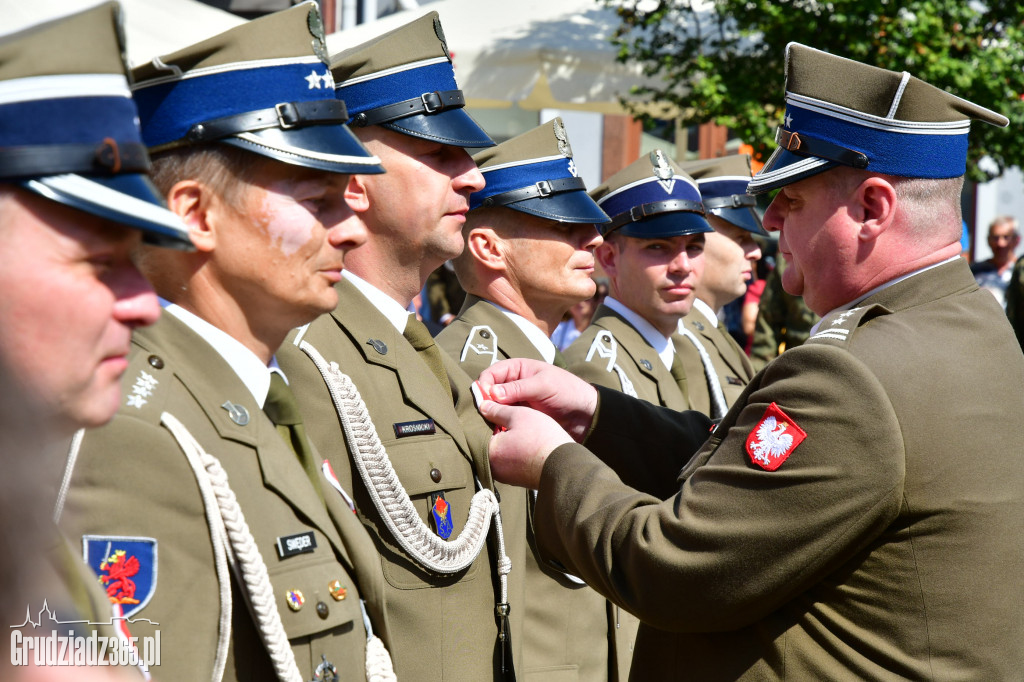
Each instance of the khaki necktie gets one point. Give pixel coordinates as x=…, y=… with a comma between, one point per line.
x=679, y=375
x=284, y=412
x=559, y=360
x=419, y=336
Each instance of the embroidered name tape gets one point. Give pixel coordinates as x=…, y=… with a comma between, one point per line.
x=300, y=543
x=417, y=428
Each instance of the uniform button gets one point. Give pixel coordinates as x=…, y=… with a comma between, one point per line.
x=156, y=362
x=435, y=475
x=321, y=609
x=484, y=334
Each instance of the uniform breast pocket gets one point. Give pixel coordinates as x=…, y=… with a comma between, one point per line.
x=439, y=481
x=314, y=595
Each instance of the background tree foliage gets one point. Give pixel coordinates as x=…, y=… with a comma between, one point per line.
x=723, y=60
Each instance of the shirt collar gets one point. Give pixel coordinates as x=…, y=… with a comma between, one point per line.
x=388, y=307
x=533, y=333
x=882, y=287
x=249, y=368
x=706, y=310
x=660, y=343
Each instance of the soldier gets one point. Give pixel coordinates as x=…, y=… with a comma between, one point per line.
x=846, y=519
x=412, y=481
x=729, y=254
x=529, y=257
x=653, y=256
x=204, y=490
x=75, y=203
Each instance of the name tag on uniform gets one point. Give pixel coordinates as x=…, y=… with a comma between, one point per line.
x=423, y=427
x=290, y=545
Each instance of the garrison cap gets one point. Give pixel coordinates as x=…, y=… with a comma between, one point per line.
x=723, y=190
x=69, y=130
x=404, y=81
x=534, y=173
x=652, y=198
x=263, y=86
x=842, y=112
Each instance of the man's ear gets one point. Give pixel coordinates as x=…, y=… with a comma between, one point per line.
x=195, y=204
x=607, y=255
x=486, y=248
x=356, y=195
x=876, y=202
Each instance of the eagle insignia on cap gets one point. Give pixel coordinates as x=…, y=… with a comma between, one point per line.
x=662, y=170
x=439, y=32
x=563, y=139
x=316, y=28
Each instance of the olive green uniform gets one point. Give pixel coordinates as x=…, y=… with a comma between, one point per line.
x=886, y=545
x=131, y=478
x=443, y=627
x=730, y=362
x=627, y=363
x=565, y=625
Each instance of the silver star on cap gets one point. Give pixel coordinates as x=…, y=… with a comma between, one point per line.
x=789, y=120
x=314, y=79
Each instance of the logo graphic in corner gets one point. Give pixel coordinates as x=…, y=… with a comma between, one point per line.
x=774, y=438
x=126, y=568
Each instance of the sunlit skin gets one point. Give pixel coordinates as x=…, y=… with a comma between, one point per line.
x=270, y=263
x=72, y=296
x=535, y=267
x=729, y=256
x=654, y=278
x=414, y=213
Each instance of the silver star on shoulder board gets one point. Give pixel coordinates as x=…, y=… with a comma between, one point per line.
x=314, y=79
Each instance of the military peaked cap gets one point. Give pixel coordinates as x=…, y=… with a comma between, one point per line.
x=403, y=80
x=263, y=86
x=842, y=112
x=723, y=190
x=652, y=198
x=68, y=126
x=534, y=173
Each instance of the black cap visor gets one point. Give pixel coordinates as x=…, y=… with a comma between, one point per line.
x=329, y=147
x=663, y=225
x=128, y=199
x=565, y=207
x=451, y=126
x=743, y=217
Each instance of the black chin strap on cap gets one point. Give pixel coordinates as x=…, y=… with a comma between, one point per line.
x=642, y=211
x=731, y=201
x=805, y=145
x=543, y=188
x=427, y=103
x=284, y=115
x=108, y=157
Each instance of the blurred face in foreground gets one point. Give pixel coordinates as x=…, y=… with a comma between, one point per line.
x=71, y=297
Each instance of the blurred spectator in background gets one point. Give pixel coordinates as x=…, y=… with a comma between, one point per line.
x=994, y=274
x=578, y=318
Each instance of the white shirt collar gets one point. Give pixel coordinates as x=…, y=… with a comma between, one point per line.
x=533, y=333
x=249, y=368
x=388, y=307
x=662, y=344
x=705, y=310
x=882, y=287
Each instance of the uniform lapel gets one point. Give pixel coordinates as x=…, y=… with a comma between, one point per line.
x=365, y=325
x=233, y=411
x=643, y=356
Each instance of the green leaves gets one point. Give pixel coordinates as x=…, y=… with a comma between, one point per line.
x=722, y=60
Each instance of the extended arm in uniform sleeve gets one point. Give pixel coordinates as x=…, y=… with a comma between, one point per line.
x=737, y=542
x=626, y=428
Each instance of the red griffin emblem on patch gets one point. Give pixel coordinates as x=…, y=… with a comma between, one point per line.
x=773, y=439
x=119, y=568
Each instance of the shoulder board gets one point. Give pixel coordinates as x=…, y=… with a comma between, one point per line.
x=836, y=328
x=145, y=386
x=605, y=347
x=482, y=341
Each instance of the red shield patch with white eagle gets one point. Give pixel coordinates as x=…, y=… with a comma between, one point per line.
x=773, y=439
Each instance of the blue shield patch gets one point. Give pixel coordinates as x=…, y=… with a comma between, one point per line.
x=125, y=566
